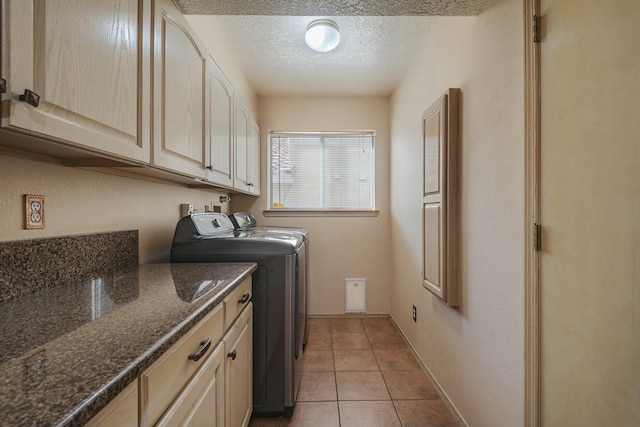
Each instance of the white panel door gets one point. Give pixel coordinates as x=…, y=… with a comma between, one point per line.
x=590, y=213
x=440, y=198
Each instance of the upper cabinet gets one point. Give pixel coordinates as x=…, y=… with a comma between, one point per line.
x=220, y=162
x=241, y=134
x=113, y=83
x=254, y=158
x=180, y=95
x=247, y=151
x=73, y=73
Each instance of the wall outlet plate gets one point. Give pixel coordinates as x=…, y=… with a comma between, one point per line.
x=34, y=212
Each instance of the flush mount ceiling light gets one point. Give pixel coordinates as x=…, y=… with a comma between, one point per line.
x=322, y=35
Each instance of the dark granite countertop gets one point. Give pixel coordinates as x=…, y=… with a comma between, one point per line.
x=66, y=352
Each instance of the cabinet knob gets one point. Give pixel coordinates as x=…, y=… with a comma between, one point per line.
x=250, y=184
x=3, y=85
x=245, y=298
x=209, y=168
x=232, y=355
x=204, y=346
x=30, y=97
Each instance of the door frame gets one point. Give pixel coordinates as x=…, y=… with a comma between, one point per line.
x=532, y=128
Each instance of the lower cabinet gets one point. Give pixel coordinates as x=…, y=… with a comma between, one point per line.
x=204, y=379
x=238, y=343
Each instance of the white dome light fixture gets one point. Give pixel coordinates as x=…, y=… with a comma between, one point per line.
x=322, y=35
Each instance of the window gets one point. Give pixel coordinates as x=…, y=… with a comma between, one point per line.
x=322, y=171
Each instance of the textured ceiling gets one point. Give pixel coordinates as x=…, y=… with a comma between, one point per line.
x=378, y=41
x=332, y=7
x=371, y=58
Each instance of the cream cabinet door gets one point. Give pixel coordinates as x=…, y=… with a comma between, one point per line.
x=220, y=162
x=239, y=370
x=440, y=198
x=180, y=94
x=254, y=158
x=85, y=63
x=241, y=140
x=247, y=150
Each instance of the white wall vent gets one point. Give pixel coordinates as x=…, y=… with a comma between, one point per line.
x=355, y=295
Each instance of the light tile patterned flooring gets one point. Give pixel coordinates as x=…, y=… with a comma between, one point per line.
x=359, y=372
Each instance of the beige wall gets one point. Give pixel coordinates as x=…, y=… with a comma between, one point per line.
x=590, y=275
x=475, y=352
x=83, y=202
x=341, y=247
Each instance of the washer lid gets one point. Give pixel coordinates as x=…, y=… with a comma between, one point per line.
x=211, y=223
x=243, y=220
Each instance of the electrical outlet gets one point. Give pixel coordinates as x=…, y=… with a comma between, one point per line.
x=34, y=211
x=414, y=314
x=186, y=209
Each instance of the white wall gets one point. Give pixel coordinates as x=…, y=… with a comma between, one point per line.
x=475, y=352
x=341, y=247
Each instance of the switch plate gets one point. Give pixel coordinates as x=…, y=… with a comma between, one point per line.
x=34, y=212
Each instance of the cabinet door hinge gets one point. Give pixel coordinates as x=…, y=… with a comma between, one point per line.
x=537, y=237
x=536, y=28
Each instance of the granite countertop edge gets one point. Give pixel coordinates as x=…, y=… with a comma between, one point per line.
x=91, y=406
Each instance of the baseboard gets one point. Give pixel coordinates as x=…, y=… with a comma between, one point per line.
x=345, y=315
x=443, y=395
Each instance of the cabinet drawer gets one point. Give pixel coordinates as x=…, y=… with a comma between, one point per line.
x=162, y=381
x=201, y=403
x=236, y=301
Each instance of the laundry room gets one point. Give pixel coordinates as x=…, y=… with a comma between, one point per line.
x=209, y=218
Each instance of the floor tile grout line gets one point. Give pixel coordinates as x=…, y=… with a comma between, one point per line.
x=378, y=370
x=383, y=379
x=335, y=375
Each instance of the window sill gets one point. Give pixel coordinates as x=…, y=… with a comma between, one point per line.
x=320, y=212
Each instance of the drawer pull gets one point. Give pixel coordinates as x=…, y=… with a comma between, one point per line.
x=3, y=85
x=30, y=98
x=204, y=346
x=232, y=355
x=245, y=298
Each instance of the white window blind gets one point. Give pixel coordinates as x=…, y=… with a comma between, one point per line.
x=322, y=171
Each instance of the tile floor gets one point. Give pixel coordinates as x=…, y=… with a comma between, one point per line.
x=359, y=372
